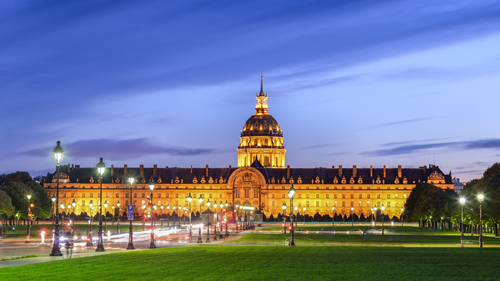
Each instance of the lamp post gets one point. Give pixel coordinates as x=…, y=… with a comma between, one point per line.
x=402, y=217
x=105, y=216
x=89, y=242
x=304, y=214
x=226, y=204
x=190, y=232
x=28, y=235
x=383, y=217
x=118, y=217
x=130, y=231
x=375, y=209
x=372, y=215
x=220, y=220
x=236, y=215
x=284, y=218
x=74, y=215
x=152, y=230
x=168, y=215
x=161, y=216
x=200, y=200
x=480, y=197
x=333, y=216
x=69, y=216
x=216, y=221
x=208, y=223
x=291, y=194
x=462, y=202
x=100, y=243
x=58, y=153
x=352, y=216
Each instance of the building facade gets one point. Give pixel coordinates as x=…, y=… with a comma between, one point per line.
x=261, y=180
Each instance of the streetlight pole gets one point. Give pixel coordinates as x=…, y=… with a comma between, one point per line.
x=284, y=217
x=152, y=242
x=53, y=214
x=118, y=217
x=161, y=216
x=291, y=194
x=402, y=217
x=375, y=209
x=105, y=216
x=89, y=242
x=352, y=216
x=304, y=214
x=216, y=221
x=190, y=231
x=220, y=221
x=58, y=153
x=208, y=223
x=333, y=216
x=74, y=205
x=130, y=231
x=200, y=200
x=372, y=215
x=462, y=202
x=100, y=243
x=480, y=197
x=226, y=204
x=383, y=218
x=236, y=216
x=28, y=235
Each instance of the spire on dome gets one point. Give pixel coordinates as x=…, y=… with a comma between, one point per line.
x=261, y=107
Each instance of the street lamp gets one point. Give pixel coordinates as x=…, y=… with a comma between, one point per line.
x=352, y=216
x=208, y=223
x=100, y=243
x=28, y=235
x=190, y=232
x=216, y=221
x=304, y=214
x=383, y=217
x=118, y=217
x=152, y=242
x=105, y=216
x=480, y=197
x=291, y=194
x=220, y=220
x=58, y=153
x=462, y=202
x=74, y=205
x=200, y=200
x=333, y=216
x=226, y=204
x=284, y=218
x=131, y=218
x=236, y=216
x=161, y=216
x=375, y=209
x=402, y=217
x=89, y=242
x=53, y=213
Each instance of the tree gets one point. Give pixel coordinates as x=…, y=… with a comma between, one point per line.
x=6, y=208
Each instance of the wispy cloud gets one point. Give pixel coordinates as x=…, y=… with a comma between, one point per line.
x=120, y=149
x=419, y=148
x=402, y=122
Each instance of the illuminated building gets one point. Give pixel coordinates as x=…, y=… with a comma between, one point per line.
x=261, y=180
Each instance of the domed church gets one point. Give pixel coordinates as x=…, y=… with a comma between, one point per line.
x=261, y=180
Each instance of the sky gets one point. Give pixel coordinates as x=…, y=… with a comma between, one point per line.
x=172, y=83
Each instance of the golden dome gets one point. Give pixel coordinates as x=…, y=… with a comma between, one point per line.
x=261, y=125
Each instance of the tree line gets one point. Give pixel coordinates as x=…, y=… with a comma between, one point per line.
x=434, y=207
x=14, y=191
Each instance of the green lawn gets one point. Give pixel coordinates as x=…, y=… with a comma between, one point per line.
x=403, y=230
x=272, y=263
x=336, y=239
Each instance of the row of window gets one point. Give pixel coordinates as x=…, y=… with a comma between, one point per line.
x=343, y=204
x=360, y=196
x=143, y=195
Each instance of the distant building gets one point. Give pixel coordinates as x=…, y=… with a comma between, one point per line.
x=458, y=185
x=261, y=180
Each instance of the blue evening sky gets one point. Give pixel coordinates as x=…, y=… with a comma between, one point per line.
x=172, y=83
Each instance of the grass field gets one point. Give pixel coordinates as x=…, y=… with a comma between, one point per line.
x=395, y=230
x=272, y=263
x=336, y=239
